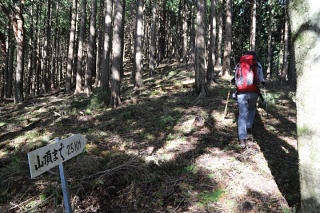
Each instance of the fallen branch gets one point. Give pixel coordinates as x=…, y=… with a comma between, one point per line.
x=129, y=164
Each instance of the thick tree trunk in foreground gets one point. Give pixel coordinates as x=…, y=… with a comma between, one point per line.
x=138, y=46
x=200, y=63
x=227, y=40
x=117, y=58
x=305, y=24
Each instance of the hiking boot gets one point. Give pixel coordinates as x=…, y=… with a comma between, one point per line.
x=243, y=143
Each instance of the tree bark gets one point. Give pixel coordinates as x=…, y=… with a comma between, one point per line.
x=105, y=75
x=212, y=47
x=152, y=63
x=79, y=76
x=71, y=46
x=138, y=46
x=219, y=44
x=18, y=29
x=227, y=40
x=192, y=35
x=100, y=45
x=116, y=53
x=11, y=50
x=162, y=31
x=285, y=65
x=253, y=26
x=184, y=32
x=39, y=60
x=32, y=41
x=92, y=48
x=200, y=52
x=3, y=54
x=304, y=19
x=123, y=37
x=269, y=59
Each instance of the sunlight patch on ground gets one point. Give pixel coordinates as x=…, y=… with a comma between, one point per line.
x=241, y=178
x=172, y=149
x=289, y=140
x=3, y=153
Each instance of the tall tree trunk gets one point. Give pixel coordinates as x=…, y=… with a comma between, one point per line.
x=91, y=65
x=3, y=54
x=100, y=45
x=253, y=25
x=219, y=44
x=81, y=47
x=18, y=29
x=105, y=75
x=212, y=47
x=76, y=47
x=138, y=46
x=285, y=65
x=71, y=46
x=227, y=40
x=178, y=33
x=116, y=53
x=55, y=54
x=152, y=63
x=280, y=54
x=39, y=60
x=192, y=35
x=162, y=31
x=200, y=63
x=32, y=41
x=122, y=36
x=292, y=74
x=304, y=19
x=47, y=51
x=269, y=60
x=184, y=32
x=11, y=50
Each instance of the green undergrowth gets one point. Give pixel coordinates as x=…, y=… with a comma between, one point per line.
x=140, y=157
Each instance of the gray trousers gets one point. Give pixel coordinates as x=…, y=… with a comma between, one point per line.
x=247, y=110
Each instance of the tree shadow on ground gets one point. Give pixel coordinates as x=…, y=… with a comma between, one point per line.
x=170, y=185
x=282, y=159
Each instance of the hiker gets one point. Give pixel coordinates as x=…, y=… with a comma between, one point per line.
x=248, y=76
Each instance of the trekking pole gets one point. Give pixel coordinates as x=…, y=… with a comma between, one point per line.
x=226, y=107
x=265, y=102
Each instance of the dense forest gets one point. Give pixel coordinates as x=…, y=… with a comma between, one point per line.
x=128, y=74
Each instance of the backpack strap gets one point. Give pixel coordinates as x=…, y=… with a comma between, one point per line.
x=238, y=75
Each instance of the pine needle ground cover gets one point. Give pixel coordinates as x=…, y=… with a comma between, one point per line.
x=158, y=152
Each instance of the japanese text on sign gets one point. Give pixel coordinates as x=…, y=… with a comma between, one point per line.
x=45, y=158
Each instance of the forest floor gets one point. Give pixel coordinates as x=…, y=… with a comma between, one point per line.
x=160, y=151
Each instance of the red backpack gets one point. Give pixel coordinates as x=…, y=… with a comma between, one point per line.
x=246, y=74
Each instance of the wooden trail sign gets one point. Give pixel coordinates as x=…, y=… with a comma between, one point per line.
x=47, y=157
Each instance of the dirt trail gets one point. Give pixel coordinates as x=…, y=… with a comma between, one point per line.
x=158, y=152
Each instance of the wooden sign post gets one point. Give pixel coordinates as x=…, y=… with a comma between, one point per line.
x=47, y=157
